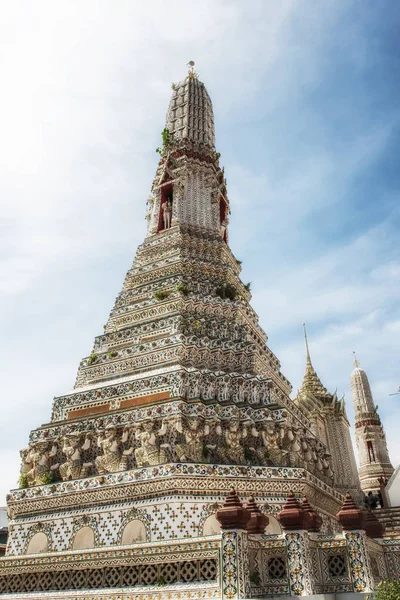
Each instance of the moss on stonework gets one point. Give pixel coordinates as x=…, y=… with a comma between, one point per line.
x=183, y=289
x=23, y=481
x=161, y=294
x=92, y=359
x=46, y=478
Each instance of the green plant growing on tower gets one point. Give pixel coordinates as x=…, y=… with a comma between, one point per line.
x=248, y=286
x=112, y=354
x=174, y=86
x=387, y=590
x=218, y=155
x=183, y=289
x=46, y=478
x=166, y=140
x=239, y=262
x=23, y=481
x=161, y=294
x=92, y=359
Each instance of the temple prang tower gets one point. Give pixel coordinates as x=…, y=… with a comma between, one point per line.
x=329, y=422
x=180, y=414
x=375, y=467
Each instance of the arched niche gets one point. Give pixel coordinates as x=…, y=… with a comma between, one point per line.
x=273, y=526
x=134, y=532
x=84, y=538
x=38, y=543
x=211, y=526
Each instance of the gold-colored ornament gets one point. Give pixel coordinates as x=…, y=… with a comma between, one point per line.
x=192, y=73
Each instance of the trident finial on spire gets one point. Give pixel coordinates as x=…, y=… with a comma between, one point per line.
x=307, y=350
x=192, y=72
x=355, y=361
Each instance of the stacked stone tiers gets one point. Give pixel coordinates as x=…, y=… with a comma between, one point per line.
x=169, y=312
x=171, y=501
x=179, y=360
x=189, y=369
x=174, y=382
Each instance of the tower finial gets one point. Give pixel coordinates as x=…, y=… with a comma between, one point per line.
x=192, y=72
x=355, y=361
x=307, y=350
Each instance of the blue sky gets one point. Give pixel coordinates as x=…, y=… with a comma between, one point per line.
x=305, y=96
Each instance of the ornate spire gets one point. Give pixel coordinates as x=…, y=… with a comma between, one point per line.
x=311, y=382
x=369, y=433
x=308, y=358
x=190, y=115
x=189, y=189
x=360, y=389
x=192, y=73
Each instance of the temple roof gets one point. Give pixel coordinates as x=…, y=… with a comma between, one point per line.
x=312, y=385
x=190, y=113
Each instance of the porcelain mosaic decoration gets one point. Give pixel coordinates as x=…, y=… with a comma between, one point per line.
x=179, y=400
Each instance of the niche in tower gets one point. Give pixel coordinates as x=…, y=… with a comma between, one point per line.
x=166, y=196
x=371, y=452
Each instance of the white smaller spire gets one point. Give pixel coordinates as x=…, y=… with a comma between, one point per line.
x=360, y=389
x=369, y=434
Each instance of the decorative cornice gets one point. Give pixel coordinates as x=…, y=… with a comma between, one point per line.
x=156, y=482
